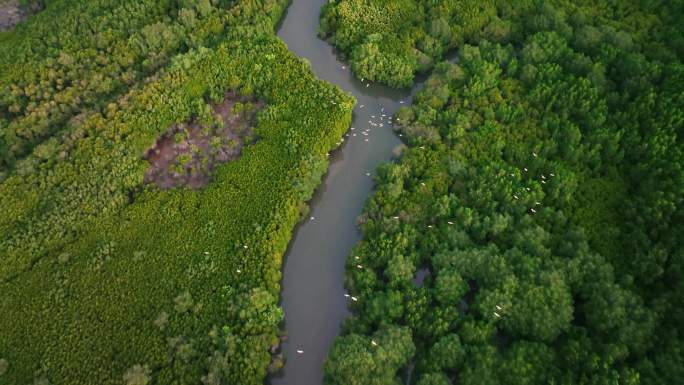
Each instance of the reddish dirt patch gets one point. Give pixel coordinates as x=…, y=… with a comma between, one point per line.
x=11, y=13
x=187, y=154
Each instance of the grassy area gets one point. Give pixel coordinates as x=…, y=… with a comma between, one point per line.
x=113, y=281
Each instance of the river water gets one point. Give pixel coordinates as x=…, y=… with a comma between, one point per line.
x=313, y=277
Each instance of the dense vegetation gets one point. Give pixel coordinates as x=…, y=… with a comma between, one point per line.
x=389, y=41
x=50, y=81
x=107, y=280
x=543, y=191
x=13, y=12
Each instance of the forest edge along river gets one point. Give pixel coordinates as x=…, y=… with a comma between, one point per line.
x=313, y=293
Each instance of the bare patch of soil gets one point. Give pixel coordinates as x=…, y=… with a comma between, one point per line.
x=12, y=13
x=188, y=153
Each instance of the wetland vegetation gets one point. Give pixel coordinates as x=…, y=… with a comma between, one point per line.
x=543, y=189
x=156, y=155
x=108, y=279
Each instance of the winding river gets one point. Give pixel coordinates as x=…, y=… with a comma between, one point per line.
x=313, y=277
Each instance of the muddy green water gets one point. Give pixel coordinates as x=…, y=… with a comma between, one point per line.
x=313, y=275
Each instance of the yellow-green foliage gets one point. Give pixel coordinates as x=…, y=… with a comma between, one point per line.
x=76, y=57
x=179, y=286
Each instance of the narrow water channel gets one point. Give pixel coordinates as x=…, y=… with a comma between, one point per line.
x=313, y=277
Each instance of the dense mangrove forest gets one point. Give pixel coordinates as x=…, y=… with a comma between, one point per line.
x=541, y=195
x=108, y=277
x=501, y=193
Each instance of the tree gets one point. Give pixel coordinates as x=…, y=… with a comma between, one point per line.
x=399, y=271
x=446, y=354
x=540, y=311
x=373, y=360
x=449, y=287
x=137, y=375
x=434, y=379
x=528, y=363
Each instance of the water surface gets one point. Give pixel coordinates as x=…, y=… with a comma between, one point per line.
x=313, y=275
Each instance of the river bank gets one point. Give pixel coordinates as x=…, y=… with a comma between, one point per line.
x=313, y=293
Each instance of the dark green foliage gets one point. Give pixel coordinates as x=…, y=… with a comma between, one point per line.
x=434, y=379
x=374, y=360
x=544, y=191
x=389, y=41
